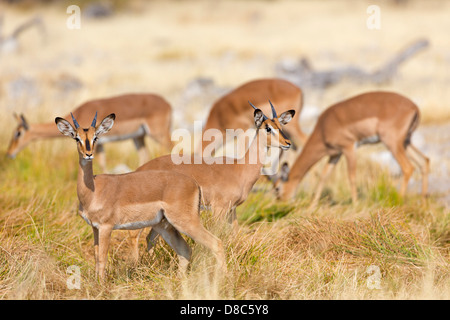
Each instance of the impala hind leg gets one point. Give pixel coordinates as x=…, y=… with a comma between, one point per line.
x=195, y=230
x=399, y=153
x=176, y=241
x=423, y=163
x=151, y=239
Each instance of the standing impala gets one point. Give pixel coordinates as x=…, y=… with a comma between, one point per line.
x=167, y=201
x=138, y=115
x=230, y=111
x=364, y=119
x=227, y=182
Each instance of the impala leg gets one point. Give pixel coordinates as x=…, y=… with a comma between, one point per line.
x=399, y=154
x=423, y=163
x=232, y=219
x=104, y=238
x=95, y=230
x=198, y=233
x=143, y=153
x=331, y=164
x=176, y=241
x=350, y=156
x=151, y=239
x=134, y=236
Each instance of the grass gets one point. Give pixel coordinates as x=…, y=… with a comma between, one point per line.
x=281, y=250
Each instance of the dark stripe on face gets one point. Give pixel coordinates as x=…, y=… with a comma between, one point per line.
x=283, y=135
x=88, y=146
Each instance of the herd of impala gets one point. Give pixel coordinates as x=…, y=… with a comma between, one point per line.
x=168, y=197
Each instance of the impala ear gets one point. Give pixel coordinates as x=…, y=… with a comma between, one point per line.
x=286, y=116
x=65, y=127
x=24, y=122
x=259, y=118
x=21, y=120
x=106, y=125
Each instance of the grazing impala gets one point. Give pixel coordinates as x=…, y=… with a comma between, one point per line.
x=227, y=182
x=230, y=111
x=364, y=119
x=167, y=201
x=138, y=115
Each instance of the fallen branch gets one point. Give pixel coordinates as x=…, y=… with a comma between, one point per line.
x=303, y=74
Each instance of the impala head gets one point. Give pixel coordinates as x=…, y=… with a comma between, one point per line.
x=85, y=138
x=20, y=137
x=272, y=127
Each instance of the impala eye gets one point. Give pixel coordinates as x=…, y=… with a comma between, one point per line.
x=268, y=129
x=18, y=133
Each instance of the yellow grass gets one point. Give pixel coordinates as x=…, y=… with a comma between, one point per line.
x=282, y=251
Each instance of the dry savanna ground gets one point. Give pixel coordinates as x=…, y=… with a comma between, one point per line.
x=383, y=247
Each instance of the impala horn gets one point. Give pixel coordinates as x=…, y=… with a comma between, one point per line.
x=94, y=122
x=75, y=121
x=274, y=113
x=257, y=109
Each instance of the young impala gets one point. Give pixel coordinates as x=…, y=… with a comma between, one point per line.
x=138, y=115
x=167, y=201
x=226, y=182
x=364, y=119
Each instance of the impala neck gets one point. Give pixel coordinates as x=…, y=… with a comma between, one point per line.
x=313, y=151
x=85, y=183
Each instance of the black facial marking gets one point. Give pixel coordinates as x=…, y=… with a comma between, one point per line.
x=283, y=135
x=88, y=146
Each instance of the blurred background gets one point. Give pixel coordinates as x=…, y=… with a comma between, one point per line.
x=192, y=52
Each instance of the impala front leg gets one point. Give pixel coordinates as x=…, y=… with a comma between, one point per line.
x=95, y=230
x=104, y=238
x=331, y=164
x=349, y=154
x=143, y=153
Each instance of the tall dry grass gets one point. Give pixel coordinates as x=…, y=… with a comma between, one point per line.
x=282, y=250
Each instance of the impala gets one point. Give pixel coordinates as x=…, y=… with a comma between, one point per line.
x=138, y=115
x=230, y=111
x=226, y=183
x=167, y=201
x=368, y=118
